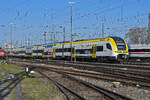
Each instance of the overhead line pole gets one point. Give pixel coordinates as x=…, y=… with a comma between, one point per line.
x=64, y=39
x=45, y=37
x=64, y=33
x=53, y=37
x=102, y=29
x=71, y=29
x=11, y=41
x=71, y=3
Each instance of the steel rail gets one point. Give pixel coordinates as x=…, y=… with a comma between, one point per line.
x=107, y=79
x=97, y=88
x=6, y=80
x=13, y=81
x=10, y=89
x=61, y=88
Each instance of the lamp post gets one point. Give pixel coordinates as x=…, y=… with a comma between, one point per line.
x=11, y=39
x=71, y=3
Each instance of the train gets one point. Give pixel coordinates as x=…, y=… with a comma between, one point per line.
x=2, y=53
x=139, y=51
x=109, y=48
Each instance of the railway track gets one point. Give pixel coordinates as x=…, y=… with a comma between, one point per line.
x=123, y=66
x=105, y=93
x=132, y=77
x=107, y=77
x=62, y=88
x=8, y=85
x=126, y=64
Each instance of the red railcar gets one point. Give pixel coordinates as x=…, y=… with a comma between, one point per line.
x=2, y=53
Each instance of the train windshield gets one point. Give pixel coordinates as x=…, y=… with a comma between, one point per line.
x=120, y=43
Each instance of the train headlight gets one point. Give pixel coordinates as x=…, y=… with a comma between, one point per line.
x=121, y=52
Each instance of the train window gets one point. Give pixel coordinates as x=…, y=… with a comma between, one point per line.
x=84, y=51
x=139, y=50
x=68, y=49
x=35, y=51
x=88, y=51
x=58, y=50
x=80, y=51
x=39, y=51
x=108, y=46
x=99, y=48
x=121, y=47
x=28, y=53
x=65, y=50
x=21, y=51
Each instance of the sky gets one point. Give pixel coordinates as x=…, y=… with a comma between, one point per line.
x=29, y=19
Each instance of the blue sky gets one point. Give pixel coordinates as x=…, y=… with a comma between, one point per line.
x=31, y=18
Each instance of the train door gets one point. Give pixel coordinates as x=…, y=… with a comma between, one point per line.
x=43, y=53
x=32, y=53
x=73, y=52
x=50, y=52
x=25, y=53
x=54, y=52
x=93, y=51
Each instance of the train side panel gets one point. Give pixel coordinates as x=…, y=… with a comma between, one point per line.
x=139, y=51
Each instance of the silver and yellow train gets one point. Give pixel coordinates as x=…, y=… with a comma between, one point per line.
x=111, y=48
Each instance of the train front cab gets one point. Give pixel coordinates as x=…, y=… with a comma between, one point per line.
x=120, y=48
x=2, y=54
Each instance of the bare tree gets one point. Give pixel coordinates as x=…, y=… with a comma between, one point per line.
x=138, y=35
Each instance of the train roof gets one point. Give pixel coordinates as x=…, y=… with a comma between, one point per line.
x=116, y=38
x=97, y=38
x=51, y=44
